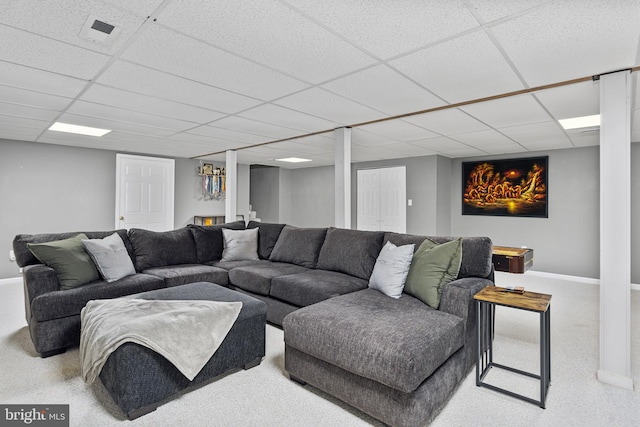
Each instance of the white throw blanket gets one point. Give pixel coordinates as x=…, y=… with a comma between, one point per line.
x=185, y=332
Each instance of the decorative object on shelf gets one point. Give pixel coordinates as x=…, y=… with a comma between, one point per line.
x=511, y=187
x=208, y=219
x=213, y=181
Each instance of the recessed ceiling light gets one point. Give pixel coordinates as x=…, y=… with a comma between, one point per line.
x=580, y=122
x=82, y=130
x=293, y=160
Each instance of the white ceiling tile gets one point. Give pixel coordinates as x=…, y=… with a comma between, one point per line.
x=385, y=90
x=265, y=130
x=362, y=137
x=121, y=115
x=40, y=52
x=463, y=152
x=24, y=122
x=398, y=130
x=447, y=122
x=268, y=32
x=178, y=54
x=462, y=69
x=479, y=139
x=39, y=81
x=567, y=39
x=226, y=134
x=286, y=117
x=305, y=148
x=74, y=14
x=405, y=149
x=503, y=148
x=20, y=133
x=393, y=27
x=76, y=119
x=492, y=10
x=440, y=144
x=321, y=103
x=511, y=111
x=141, y=7
x=585, y=139
x=576, y=100
x=135, y=78
x=538, y=136
x=32, y=99
x=148, y=104
x=27, y=112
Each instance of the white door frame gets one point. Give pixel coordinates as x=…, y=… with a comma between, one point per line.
x=169, y=193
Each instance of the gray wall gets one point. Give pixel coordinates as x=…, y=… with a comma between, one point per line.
x=567, y=242
x=53, y=188
x=312, y=197
x=264, y=192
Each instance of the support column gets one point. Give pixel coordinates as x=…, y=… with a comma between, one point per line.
x=231, y=195
x=342, y=177
x=615, y=229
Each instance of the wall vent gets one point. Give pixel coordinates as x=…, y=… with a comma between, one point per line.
x=98, y=30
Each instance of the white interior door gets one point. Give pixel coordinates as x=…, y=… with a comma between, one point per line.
x=381, y=203
x=368, y=203
x=144, y=192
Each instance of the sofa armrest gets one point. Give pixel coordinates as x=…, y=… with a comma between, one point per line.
x=457, y=296
x=37, y=279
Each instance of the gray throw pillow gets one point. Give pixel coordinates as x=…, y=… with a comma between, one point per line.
x=391, y=269
x=240, y=244
x=110, y=256
x=69, y=259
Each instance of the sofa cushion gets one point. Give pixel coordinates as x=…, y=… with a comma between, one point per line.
x=157, y=249
x=229, y=265
x=59, y=304
x=397, y=342
x=240, y=245
x=299, y=246
x=257, y=278
x=313, y=286
x=176, y=275
x=391, y=269
x=433, y=266
x=476, y=251
x=25, y=257
x=352, y=252
x=68, y=258
x=209, y=241
x=267, y=237
x=110, y=257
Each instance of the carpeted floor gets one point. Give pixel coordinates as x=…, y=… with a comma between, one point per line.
x=264, y=396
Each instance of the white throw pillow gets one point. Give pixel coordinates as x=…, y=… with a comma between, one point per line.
x=240, y=244
x=391, y=269
x=110, y=257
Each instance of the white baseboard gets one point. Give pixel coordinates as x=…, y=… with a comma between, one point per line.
x=588, y=280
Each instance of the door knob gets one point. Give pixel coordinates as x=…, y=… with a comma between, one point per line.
x=121, y=218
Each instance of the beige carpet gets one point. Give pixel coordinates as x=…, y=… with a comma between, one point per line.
x=264, y=396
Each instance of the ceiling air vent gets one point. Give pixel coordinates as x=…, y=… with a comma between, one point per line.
x=97, y=30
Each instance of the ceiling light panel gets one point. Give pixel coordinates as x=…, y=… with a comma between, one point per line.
x=142, y=80
x=81, y=130
x=293, y=160
x=588, y=41
x=395, y=96
x=580, y=122
x=320, y=55
x=203, y=63
x=392, y=27
x=475, y=68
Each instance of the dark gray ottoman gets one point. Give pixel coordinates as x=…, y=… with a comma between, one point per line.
x=139, y=379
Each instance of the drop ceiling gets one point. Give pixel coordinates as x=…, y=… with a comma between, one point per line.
x=191, y=79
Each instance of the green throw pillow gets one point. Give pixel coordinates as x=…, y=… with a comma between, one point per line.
x=69, y=259
x=432, y=267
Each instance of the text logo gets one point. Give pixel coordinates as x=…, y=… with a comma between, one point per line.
x=34, y=415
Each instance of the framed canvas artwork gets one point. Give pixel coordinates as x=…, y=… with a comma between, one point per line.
x=509, y=187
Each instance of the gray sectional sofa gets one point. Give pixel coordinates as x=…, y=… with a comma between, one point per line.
x=399, y=359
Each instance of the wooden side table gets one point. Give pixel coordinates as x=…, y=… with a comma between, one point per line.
x=486, y=301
